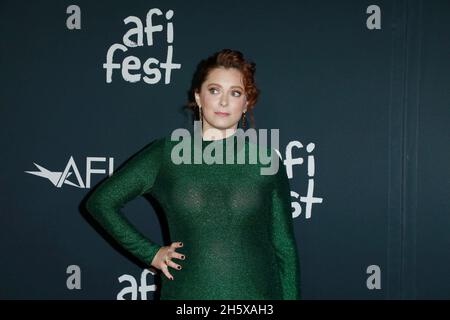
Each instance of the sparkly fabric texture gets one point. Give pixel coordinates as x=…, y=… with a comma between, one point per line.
x=236, y=224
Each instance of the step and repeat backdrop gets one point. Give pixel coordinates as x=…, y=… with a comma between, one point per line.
x=360, y=91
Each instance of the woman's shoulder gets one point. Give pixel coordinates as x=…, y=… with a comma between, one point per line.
x=268, y=158
x=263, y=148
x=154, y=148
x=157, y=142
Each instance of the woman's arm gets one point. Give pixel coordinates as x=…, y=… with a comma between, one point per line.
x=135, y=178
x=283, y=236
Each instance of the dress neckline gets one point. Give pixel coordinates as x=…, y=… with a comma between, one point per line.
x=223, y=143
x=230, y=137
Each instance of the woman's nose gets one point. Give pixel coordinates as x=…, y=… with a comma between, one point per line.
x=223, y=101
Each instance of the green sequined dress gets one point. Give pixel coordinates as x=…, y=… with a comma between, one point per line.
x=236, y=224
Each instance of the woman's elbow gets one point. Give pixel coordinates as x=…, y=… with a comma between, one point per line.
x=94, y=205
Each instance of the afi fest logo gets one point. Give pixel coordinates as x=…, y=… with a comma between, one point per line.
x=134, y=289
x=58, y=178
x=131, y=65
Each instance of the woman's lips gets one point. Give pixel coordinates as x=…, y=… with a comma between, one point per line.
x=222, y=114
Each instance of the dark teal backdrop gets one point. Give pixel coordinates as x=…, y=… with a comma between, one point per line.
x=375, y=103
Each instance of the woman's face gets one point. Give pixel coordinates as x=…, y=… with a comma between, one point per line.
x=222, y=99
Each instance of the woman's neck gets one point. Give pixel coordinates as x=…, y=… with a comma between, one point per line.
x=210, y=134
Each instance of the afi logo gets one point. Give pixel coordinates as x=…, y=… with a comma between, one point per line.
x=59, y=178
x=134, y=289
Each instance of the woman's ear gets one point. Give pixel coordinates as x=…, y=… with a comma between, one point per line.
x=197, y=98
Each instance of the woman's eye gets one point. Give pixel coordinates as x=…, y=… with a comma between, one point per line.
x=237, y=93
x=213, y=90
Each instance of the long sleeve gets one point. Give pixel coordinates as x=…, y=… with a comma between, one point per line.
x=132, y=180
x=283, y=236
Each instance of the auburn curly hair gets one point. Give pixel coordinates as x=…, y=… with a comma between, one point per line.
x=226, y=58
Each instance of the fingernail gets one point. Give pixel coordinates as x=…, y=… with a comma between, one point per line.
x=183, y=257
x=171, y=278
x=179, y=268
x=181, y=243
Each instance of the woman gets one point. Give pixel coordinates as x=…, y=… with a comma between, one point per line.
x=232, y=225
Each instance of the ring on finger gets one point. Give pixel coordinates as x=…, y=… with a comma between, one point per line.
x=166, y=259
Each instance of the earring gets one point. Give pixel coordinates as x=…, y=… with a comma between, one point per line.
x=243, y=121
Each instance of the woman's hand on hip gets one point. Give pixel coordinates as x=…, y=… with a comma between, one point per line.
x=163, y=258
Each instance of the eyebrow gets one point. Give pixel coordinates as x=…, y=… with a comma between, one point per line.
x=216, y=84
